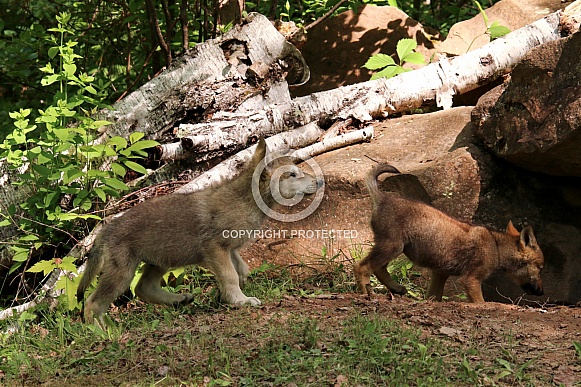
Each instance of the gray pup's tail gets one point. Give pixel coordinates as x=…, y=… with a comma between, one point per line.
x=93, y=267
x=371, y=180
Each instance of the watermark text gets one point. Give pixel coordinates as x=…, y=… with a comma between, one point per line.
x=286, y=234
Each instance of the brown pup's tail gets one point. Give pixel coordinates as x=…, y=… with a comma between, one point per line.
x=371, y=180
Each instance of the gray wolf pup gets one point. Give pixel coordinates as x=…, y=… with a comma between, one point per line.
x=448, y=247
x=183, y=229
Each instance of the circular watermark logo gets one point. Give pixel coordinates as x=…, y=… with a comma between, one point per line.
x=288, y=185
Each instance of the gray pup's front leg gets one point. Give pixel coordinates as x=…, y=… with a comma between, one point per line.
x=240, y=266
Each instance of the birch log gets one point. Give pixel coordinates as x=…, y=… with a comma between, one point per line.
x=296, y=138
x=375, y=99
x=212, y=77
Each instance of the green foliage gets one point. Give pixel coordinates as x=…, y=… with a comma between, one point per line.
x=577, y=350
x=493, y=30
x=406, y=53
x=58, y=163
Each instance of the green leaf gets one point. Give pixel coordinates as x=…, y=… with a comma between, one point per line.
x=62, y=134
x=392, y=3
x=70, y=69
x=405, y=47
x=71, y=175
x=41, y=170
x=415, y=57
x=496, y=30
x=504, y=363
x=136, y=167
x=379, y=61
x=49, y=80
x=136, y=136
x=100, y=194
x=119, y=142
x=52, y=52
x=28, y=238
x=67, y=216
x=388, y=72
x=118, y=169
x=116, y=184
x=90, y=89
x=68, y=263
x=143, y=144
x=42, y=266
x=44, y=157
x=20, y=256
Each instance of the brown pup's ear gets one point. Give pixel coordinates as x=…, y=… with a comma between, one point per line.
x=527, y=237
x=511, y=230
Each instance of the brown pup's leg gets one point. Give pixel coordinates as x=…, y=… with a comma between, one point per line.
x=473, y=288
x=385, y=278
x=376, y=262
x=436, y=288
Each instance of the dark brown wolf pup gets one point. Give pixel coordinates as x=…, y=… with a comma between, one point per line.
x=446, y=246
x=183, y=229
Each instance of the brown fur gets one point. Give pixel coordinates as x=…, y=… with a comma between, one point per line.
x=446, y=246
x=183, y=229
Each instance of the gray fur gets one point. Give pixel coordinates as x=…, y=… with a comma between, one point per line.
x=183, y=229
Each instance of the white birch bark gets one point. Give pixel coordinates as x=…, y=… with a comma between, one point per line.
x=296, y=138
x=375, y=99
x=171, y=96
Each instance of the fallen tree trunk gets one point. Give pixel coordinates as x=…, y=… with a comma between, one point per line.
x=365, y=101
x=217, y=75
x=300, y=137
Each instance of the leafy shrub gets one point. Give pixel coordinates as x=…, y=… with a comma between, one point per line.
x=58, y=162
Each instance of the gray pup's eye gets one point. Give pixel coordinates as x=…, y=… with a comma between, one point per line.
x=293, y=174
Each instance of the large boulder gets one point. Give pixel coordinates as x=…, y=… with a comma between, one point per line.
x=338, y=47
x=514, y=14
x=534, y=121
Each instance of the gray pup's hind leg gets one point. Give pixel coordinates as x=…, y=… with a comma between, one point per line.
x=149, y=287
x=112, y=283
x=240, y=266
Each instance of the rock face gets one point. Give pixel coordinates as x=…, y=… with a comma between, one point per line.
x=535, y=123
x=514, y=14
x=338, y=47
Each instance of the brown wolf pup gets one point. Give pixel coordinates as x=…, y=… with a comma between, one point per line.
x=182, y=229
x=434, y=240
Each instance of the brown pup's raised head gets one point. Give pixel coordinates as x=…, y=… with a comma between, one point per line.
x=530, y=260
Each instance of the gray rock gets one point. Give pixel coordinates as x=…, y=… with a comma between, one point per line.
x=536, y=122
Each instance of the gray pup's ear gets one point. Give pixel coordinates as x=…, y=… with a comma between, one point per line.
x=260, y=152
